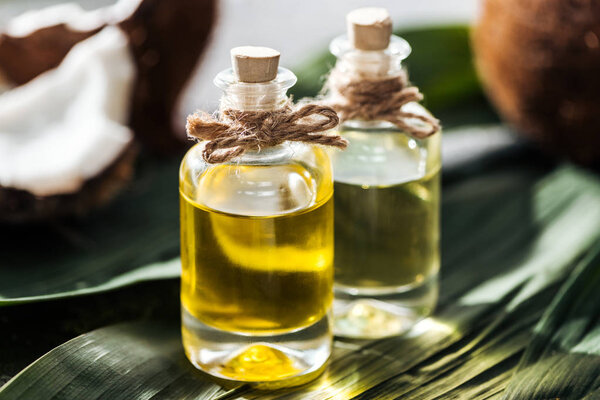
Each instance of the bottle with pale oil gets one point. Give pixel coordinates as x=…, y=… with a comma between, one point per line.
x=257, y=245
x=387, y=199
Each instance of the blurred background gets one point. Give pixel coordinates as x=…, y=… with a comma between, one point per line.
x=296, y=29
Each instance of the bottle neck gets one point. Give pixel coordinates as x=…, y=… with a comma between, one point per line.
x=254, y=97
x=257, y=97
x=358, y=65
x=355, y=65
x=265, y=96
x=369, y=64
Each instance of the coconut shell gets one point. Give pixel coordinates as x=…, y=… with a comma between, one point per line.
x=166, y=38
x=539, y=61
x=24, y=58
x=17, y=206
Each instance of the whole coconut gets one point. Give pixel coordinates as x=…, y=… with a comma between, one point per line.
x=540, y=63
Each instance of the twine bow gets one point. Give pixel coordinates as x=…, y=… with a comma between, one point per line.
x=237, y=131
x=380, y=99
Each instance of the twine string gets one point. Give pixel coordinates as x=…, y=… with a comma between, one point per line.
x=237, y=131
x=380, y=99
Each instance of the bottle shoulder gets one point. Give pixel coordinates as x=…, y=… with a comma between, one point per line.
x=380, y=154
x=412, y=107
x=293, y=179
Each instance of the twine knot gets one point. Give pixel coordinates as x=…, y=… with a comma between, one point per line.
x=379, y=99
x=237, y=131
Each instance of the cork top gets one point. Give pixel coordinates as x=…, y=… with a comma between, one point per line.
x=254, y=64
x=369, y=28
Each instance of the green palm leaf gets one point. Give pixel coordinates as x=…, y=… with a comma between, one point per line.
x=563, y=359
x=133, y=361
x=120, y=245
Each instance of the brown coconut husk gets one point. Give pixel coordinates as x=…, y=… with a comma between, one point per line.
x=24, y=58
x=166, y=38
x=539, y=61
x=18, y=206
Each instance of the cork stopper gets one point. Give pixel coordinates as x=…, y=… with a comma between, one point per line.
x=254, y=64
x=369, y=28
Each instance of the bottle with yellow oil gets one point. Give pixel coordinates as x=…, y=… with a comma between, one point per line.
x=387, y=185
x=256, y=235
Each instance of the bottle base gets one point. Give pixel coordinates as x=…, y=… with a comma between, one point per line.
x=263, y=361
x=362, y=314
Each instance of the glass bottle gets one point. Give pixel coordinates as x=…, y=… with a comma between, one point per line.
x=387, y=201
x=257, y=252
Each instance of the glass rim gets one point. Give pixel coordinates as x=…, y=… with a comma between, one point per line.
x=285, y=79
x=398, y=47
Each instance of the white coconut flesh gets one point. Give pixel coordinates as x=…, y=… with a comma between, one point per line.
x=68, y=125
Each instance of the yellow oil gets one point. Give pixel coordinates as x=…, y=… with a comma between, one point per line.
x=266, y=273
x=260, y=363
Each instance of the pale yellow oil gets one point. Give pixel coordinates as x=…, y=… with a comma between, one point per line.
x=387, y=237
x=387, y=193
x=256, y=274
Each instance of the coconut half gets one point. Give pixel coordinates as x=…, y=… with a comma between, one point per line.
x=166, y=39
x=65, y=131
